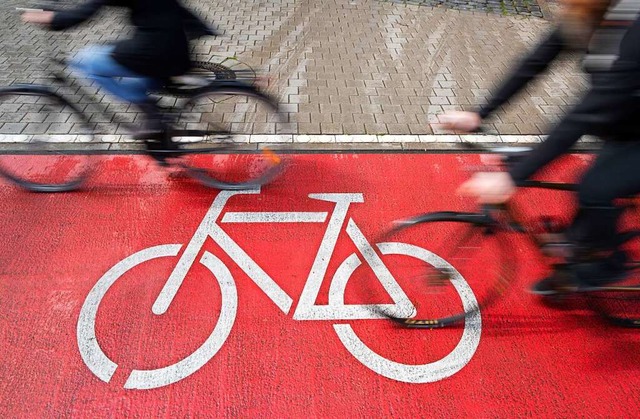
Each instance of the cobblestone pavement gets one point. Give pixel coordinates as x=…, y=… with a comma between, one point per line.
x=339, y=67
x=504, y=7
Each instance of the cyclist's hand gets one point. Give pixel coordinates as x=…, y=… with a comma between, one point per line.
x=489, y=188
x=460, y=121
x=40, y=17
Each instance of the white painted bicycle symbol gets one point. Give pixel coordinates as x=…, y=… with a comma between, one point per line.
x=307, y=309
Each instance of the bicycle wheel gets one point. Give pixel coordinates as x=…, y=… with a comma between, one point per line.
x=469, y=268
x=215, y=149
x=41, y=129
x=619, y=303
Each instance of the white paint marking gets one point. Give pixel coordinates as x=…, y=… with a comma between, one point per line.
x=274, y=217
x=391, y=286
x=147, y=379
x=187, y=259
x=434, y=371
x=252, y=269
x=306, y=305
x=92, y=355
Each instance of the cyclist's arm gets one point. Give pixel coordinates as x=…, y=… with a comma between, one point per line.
x=194, y=26
x=611, y=102
x=65, y=19
x=535, y=63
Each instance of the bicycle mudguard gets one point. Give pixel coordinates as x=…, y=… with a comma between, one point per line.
x=473, y=217
x=26, y=89
x=236, y=85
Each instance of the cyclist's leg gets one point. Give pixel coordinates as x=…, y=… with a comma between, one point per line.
x=593, y=231
x=138, y=88
x=613, y=175
x=96, y=63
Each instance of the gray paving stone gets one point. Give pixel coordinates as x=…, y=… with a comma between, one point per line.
x=63, y=128
x=38, y=128
x=11, y=117
x=12, y=128
x=322, y=54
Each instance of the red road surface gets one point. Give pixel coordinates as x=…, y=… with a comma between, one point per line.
x=65, y=322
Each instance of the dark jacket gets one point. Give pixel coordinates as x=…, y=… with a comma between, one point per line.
x=610, y=108
x=159, y=46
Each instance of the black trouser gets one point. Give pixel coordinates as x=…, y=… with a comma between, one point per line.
x=614, y=174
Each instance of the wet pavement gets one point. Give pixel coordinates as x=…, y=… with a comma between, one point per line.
x=503, y=7
x=339, y=67
x=146, y=295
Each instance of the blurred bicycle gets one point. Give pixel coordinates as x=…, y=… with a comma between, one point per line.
x=205, y=133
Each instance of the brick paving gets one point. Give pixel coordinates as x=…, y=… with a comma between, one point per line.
x=504, y=7
x=339, y=67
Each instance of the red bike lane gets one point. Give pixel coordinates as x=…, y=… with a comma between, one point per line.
x=263, y=320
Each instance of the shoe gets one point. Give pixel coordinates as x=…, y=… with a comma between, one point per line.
x=603, y=271
x=583, y=276
x=152, y=127
x=161, y=149
x=561, y=281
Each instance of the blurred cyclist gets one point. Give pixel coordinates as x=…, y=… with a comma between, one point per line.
x=610, y=109
x=158, y=49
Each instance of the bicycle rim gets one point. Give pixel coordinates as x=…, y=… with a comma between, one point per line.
x=229, y=117
x=463, y=268
x=41, y=127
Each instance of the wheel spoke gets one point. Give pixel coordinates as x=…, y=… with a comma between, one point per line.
x=231, y=116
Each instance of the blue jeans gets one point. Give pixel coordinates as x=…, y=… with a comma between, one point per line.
x=96, y=63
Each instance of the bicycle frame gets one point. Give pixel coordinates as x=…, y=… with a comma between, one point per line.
x=513, y=221
x=513, y=217
x=60, y=77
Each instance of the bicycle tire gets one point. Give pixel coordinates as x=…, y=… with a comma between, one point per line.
x=458, y=292
x=37, y=156
x=216, y=150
